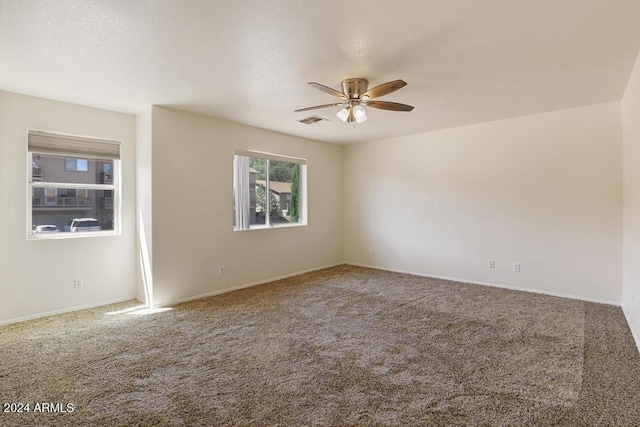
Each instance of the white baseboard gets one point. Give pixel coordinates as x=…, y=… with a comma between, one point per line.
x=494, y=285
x=246, y=285
x=634, y=332
x=66, y=310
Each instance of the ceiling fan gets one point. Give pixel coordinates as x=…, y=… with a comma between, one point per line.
x=355, y=97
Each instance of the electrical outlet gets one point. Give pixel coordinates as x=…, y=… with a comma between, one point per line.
x=373, y=251
x=221, y=270
x=516, y=267
x=492, y=264
x=77, y=282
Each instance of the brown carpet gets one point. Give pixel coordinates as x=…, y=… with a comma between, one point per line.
x=338, y=347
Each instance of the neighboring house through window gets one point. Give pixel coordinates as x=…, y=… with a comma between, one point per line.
x=73, y=184
x=269, y=190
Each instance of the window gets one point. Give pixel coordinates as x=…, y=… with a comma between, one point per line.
x=269, y=190
x=75, y=203
x=78, y=165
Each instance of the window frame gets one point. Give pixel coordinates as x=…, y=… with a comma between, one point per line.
x=115, y=187
x=303, y=217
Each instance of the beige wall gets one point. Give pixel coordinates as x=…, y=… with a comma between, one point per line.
x=36, y=276
x=631, y=173
x=542, y=190
x=192, y=207
x=144, y=214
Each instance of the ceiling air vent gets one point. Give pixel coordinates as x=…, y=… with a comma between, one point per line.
x=312, y=120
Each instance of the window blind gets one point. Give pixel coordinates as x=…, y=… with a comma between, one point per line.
x=73, y=146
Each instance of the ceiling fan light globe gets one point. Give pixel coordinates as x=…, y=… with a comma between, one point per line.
x=343, y=114
x=360, y=114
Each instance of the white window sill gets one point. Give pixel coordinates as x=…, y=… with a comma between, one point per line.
x=70, y=235
x=269, y=227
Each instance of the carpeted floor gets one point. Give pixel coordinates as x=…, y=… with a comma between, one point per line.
x=338, y=347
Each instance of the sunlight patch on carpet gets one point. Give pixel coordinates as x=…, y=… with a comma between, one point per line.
x=140, y=310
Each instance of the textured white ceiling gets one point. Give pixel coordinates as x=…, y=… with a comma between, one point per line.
x=465, y=61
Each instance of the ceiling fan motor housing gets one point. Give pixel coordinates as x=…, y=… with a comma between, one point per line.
x=354, y=88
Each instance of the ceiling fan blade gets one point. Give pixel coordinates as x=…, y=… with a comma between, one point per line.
x=327, y=89
x=386, y=105
x=318, y=107
x=384, y=88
